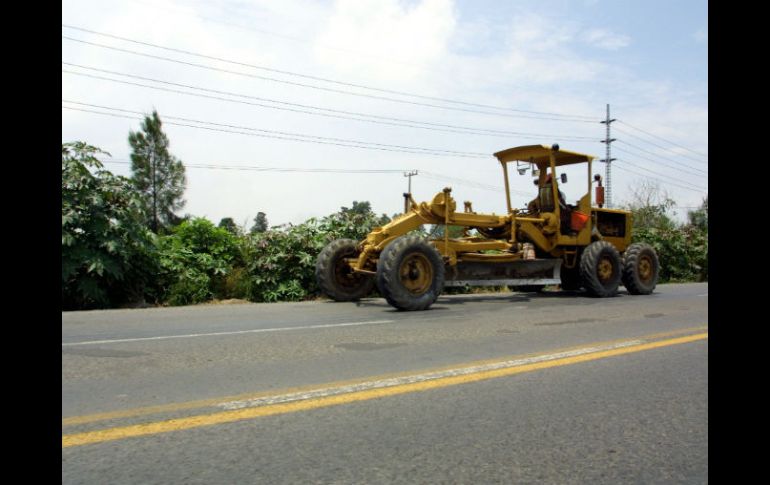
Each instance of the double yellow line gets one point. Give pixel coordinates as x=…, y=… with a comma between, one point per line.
x=222, y=417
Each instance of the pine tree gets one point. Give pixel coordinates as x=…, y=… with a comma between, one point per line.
x=229, y=224
x=260, y=223
x=156, y=174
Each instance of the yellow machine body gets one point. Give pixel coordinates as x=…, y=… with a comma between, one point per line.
x=501, y=238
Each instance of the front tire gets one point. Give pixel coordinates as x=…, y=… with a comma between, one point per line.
x=570, y=278
x=640, y=269
x=600, y=268
x=334, y=275
x=410, y=273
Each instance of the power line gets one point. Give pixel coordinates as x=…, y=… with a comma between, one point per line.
x=668, y=149
x=286, y=37
x=430, y=175
x=294, y=136
x=397, y=121
x=637, y=165
x=542, y=115
x=661, y=163
x=212, y=166
x=667, y=141
x=478, y=185
x=379, y=58
x=667, y=182
x=664, y=158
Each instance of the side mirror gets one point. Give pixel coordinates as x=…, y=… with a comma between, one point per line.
x=564, y=178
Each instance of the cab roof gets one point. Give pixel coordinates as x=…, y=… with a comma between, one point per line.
x=540, y=155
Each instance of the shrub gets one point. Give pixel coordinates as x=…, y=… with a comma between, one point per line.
x=108, y=256
x=195, y=260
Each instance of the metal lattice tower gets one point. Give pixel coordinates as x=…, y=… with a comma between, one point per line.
x=608, y=160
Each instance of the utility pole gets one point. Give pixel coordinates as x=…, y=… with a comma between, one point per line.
x=608, y=160
x=408, y=194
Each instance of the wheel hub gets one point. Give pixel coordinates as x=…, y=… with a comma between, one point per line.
x=416, y=273
x=605, y=269
x=645, y=269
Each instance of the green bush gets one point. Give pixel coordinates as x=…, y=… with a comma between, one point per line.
x=682, y=251
x=108, y=255
x=195, y=260
x=280, y=262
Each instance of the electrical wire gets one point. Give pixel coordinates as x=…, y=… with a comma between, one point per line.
x=668, y=149
x=667, y=141
x=213, y=166
x=637, y=165
x=661, y=157
x=429, y=175
x=668, y=182
x=661, y=163
x=295, y=136
x=542, y=115
x=397, y=121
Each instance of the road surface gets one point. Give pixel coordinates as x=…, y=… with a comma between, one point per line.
x=494, y=388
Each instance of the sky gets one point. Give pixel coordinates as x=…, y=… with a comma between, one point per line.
x=296, y=108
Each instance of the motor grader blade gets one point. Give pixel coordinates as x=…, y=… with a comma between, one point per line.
x=514, y=273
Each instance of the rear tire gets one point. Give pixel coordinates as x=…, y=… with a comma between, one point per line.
x=336, y=278
x=640, y=269
x=600, y=268
x=410, y=273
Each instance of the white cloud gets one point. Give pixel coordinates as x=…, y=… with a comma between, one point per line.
x=604, y=39
x=416, y=35
x=530, y=62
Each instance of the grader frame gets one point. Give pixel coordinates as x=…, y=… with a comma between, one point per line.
x=410, y=271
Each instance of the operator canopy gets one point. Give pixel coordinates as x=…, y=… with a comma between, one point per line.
x=540, y=155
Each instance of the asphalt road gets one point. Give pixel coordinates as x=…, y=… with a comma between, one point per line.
x=504, y=388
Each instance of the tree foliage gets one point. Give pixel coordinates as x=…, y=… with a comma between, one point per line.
x=195, y=260
x=228, y=224
x=682, y=248
x=157, y=175
x=110, y=257
x=280, y=263
x=107, y=253
x=650, y=205
x=260, y=223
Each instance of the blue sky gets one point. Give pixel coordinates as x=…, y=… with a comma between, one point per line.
x=647, y=59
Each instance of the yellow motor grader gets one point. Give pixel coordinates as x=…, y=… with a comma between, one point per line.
x=550, y=242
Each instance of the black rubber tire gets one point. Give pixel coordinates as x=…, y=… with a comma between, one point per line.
x=640, y=269
x=600, y=269
x=335, y=278
x=570, y=278
x=389, y=277
x=529, y=288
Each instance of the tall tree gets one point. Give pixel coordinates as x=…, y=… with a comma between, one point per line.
x=260, y=223
x=229, y=224
x=157, y=175
x=700, y=217
x=650, y=205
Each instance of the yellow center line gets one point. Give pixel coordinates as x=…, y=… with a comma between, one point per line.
x=222, y=417
x=202, y=403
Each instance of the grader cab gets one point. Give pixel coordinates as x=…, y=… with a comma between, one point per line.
x=550, y=242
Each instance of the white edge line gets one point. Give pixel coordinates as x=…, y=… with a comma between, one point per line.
x=215, y=334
